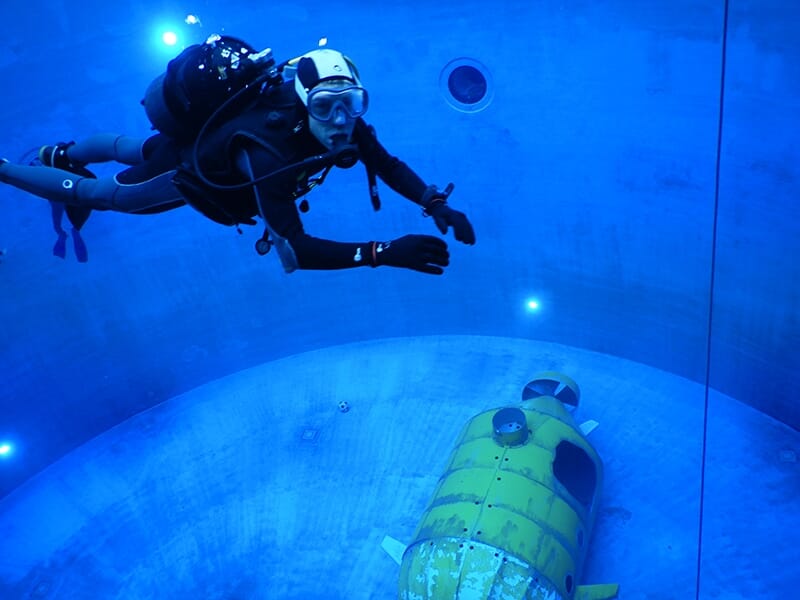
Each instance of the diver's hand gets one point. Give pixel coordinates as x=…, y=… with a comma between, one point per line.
x=445, y=216
x=424, y=253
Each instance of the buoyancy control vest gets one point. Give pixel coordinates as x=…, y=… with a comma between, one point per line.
x=213, y=184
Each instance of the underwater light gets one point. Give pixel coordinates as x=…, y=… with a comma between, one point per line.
x=6, y=449
x=170, y=38
x=532, y=305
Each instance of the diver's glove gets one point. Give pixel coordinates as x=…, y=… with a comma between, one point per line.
x=424, y=253
x=435, y=205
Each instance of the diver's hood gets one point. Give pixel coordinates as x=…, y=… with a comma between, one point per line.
x=321, y=65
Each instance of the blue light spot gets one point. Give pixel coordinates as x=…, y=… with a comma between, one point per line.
x=5, y=450
x=532, y=305
x=170, y=38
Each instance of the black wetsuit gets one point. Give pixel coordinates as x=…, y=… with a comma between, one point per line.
x=271, y=135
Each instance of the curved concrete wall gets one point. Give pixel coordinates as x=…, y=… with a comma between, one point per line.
x=590, y=180
x=256, y=485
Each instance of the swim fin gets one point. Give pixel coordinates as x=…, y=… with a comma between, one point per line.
x=60, y=247
x=81, y=253
x=57, y=213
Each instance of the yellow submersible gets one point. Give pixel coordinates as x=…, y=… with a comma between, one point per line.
x=512, y=515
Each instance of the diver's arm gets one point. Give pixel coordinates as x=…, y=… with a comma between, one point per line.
x=298, y=250
x=393, y=171
x=402, y=179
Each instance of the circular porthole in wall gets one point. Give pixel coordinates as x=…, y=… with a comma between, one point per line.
x=466, y=85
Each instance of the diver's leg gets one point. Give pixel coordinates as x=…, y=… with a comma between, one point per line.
x=105, y=147
x=51, y=184
x=105, y=193
x=155, y=195
x=58, y=156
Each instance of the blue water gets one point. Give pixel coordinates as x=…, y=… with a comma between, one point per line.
x=171, y=406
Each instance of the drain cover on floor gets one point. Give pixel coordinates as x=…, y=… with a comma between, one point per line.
x=309, y=434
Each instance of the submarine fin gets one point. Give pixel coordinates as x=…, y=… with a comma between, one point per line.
x=394, y=548
x=589, y=426
x=603, y=591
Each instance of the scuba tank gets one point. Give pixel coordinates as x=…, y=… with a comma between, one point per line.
x=200, y=80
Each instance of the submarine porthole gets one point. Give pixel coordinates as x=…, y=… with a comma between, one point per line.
x=466, y=85
x=575, y=471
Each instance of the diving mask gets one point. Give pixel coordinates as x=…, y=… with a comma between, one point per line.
x=323, y=102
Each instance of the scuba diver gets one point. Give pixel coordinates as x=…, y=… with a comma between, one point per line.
x=240, y=137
